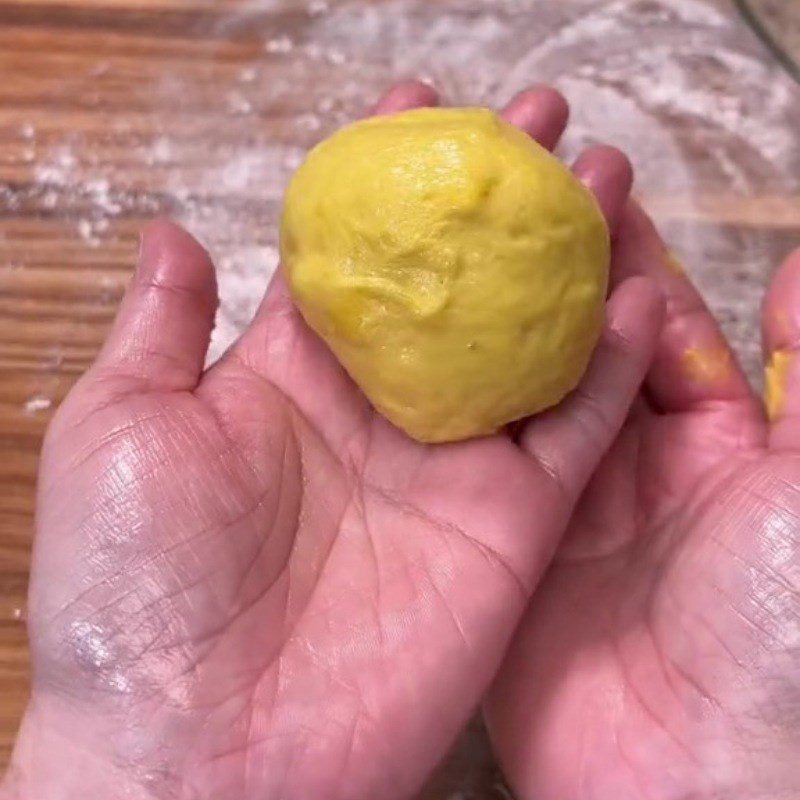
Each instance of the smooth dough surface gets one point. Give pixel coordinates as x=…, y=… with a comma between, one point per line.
x=455, y=268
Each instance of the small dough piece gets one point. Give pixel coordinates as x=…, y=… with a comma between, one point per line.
x=775, y=374
x=456, y=269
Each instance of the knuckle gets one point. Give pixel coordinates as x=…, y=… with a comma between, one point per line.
x=620, y=341
x=598, y=424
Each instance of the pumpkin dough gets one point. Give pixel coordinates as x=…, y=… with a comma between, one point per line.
x=455, y=268
x=775, y=374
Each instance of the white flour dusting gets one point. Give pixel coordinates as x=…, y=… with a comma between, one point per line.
x=316, y=7
x=37, y=403
x=281, y=44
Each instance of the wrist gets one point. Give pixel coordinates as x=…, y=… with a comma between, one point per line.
x=56, y=757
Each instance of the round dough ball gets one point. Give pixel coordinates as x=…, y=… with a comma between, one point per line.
x=456, y=268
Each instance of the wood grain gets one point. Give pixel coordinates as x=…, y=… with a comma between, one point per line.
x=112, y=111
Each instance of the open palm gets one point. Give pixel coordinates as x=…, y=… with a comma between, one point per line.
x=247, y=584
x=660, y=657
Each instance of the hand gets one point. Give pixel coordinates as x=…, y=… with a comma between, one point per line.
x=246, y=584
x=660, y=658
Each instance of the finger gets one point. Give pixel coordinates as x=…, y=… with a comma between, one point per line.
x=608, y=174
x=163, y=326
x=694, y=365
x=406, y=96
x=541, y=112
x=780, y=320
x=570, y=440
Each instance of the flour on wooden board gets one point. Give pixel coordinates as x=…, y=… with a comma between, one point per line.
x=37, y=403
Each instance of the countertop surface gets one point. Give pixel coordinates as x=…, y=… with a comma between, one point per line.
x=113, y=111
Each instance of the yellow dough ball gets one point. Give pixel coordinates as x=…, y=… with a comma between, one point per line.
x=456, y=268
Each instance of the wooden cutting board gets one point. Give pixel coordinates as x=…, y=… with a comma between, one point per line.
x=112, y=111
